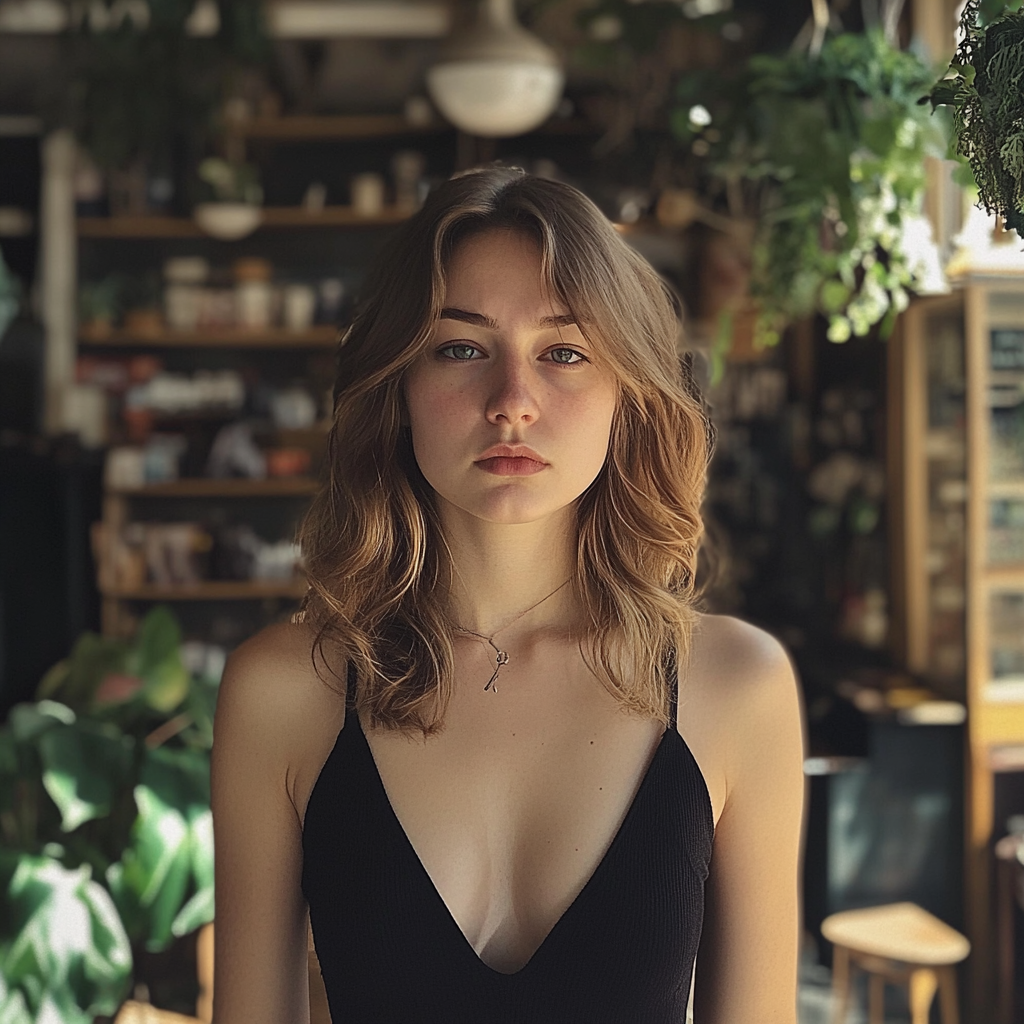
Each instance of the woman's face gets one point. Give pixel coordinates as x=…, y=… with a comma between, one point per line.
x=509, y=406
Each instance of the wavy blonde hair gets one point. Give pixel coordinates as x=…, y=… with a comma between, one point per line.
x=376, y=561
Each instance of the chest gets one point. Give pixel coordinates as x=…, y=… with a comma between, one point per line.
x=618, y=947
x=512, y=808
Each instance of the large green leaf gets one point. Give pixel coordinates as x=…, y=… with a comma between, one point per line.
x=13, y=1008
x=71, y=958
x=157, y=659
x=84, y=765
x=28, y=721
x=199, y=909
x=159, y=639
x=171, y=851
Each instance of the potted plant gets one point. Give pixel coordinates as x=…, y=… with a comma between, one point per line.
x=107, y=843
x=983, y=87
x=235, y=197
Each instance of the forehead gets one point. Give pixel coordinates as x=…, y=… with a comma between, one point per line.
x=499, y=265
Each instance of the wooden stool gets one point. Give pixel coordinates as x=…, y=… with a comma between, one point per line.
x=901, y=943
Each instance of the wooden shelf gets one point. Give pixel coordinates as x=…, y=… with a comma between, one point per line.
x=329, y=216
x=212, y=590
x=284, y=487
x=137, y=227
x=273, y=217
x=1005, y=577
x=320, y=336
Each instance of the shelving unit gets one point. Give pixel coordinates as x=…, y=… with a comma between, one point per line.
x=273, y=217
x=960, y=421
x=326, y=149
x=318, y=336
x=266, y=505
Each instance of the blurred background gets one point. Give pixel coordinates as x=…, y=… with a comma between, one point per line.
x=190, y=191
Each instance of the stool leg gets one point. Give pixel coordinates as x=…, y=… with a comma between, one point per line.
x=876, y=999
x=840, y=983
x=923, y=984
x=947, y=995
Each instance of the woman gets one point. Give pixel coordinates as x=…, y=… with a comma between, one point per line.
x=496, y=753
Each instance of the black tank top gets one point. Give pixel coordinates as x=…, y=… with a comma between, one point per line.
x=391, y=953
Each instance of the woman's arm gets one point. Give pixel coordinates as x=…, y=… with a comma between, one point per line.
x=261, y=920
x=747, y=963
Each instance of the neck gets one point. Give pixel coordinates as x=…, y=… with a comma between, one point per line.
x=500, y=570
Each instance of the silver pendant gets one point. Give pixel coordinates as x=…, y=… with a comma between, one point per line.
x=501, y=658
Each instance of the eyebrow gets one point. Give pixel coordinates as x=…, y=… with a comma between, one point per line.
x=479, y=320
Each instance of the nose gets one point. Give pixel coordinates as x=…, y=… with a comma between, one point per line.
x=511, y=396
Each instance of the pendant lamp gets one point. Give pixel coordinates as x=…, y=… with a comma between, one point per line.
x=494, y=78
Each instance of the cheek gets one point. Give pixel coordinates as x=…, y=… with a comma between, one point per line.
x=590, y=426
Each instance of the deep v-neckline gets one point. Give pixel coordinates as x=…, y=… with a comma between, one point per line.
x=588, y=885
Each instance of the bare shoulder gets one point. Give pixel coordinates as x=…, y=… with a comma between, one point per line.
x=275, y=675
x=739, y=703
x=275, y=700
x=735, y=660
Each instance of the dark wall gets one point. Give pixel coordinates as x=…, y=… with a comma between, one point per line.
x=49, y=494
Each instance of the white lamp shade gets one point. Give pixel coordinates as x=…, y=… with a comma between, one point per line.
x=495, y=97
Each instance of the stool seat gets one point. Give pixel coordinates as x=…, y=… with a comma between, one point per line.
x=897, y=931
x=900, y=943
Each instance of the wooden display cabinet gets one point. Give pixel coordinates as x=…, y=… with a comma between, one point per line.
x=956, y=401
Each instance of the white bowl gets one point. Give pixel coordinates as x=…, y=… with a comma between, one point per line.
x=228, y=221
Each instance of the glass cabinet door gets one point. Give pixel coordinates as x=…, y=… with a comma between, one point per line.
x=1006, y=639
x=1004, y=554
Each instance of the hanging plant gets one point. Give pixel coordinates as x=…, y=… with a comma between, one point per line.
x=984, y=90
x=826, y=154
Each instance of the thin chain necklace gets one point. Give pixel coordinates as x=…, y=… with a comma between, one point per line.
x=500, y=656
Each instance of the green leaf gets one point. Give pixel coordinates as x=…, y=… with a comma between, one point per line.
x=202, y=703
x=71, y=957
x=84, y=766
x=197, y=912
x=172, y=847
x=29, y=721
x=157, y=659
x=166, y=687
x=834, y=296
x=159, y=639
x=13, y=1008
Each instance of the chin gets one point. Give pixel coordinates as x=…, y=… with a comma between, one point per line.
x=513, y=509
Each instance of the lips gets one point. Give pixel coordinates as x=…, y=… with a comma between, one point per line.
x=511, y=451
x=510, y=460
x=503, y=465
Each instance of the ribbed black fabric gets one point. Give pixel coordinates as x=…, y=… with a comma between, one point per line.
x=391, y=953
